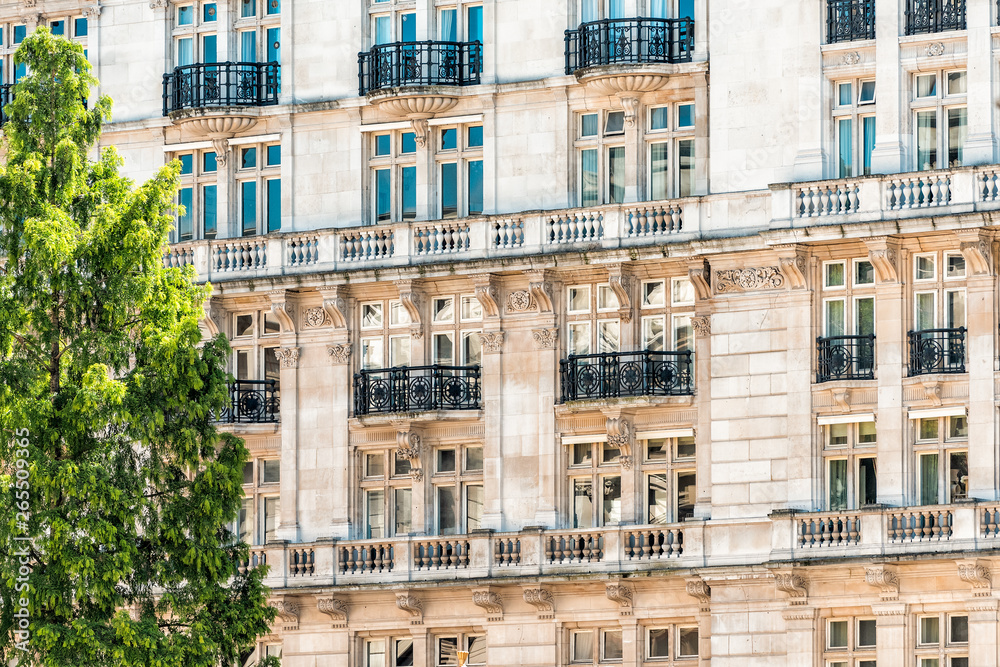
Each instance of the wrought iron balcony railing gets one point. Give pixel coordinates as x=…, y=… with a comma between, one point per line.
x=252, y=402
x=419, y=64
x=614, y=374
x=629, y=41
x=927, y=16
x=846, y=358
x=416, y=389
x=221, y=85
x=849, y=20
x=6, y=97
x=937, y=351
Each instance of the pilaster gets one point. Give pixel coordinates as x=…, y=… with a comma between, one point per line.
x=888, y=154
x=980, y=144
x=890, y=634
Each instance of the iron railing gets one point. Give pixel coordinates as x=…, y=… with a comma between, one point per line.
x=613, y=374
x=925, y=16
x=415, y=389
x=937, y=351
x=419, y=64
x=625, y=41
x=221, y=85
x=849, y=20
x=252, y=402
x=846, y=358
x=6, y=97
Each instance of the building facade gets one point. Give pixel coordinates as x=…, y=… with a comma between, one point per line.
x=586, y=332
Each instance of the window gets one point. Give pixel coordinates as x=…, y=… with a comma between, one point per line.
x=258, y=186
x=469, y=29
x=939, y=291
x=459, y=153
x=668, y=472
x=666, y=309
x=385, y=334
x=389, y=652
x=851, y=466
x=386, y=494
x=198, y=195
x=596, y=646
x=942, y=640
x=393, y=21
x=601, y=153
x=11, y=35
x=854, y=126
x=941, y=448
x=939, y=102
x=393, y=166
x=456, y=327
x=849, y=642
x=195, y=33
x=848, y=306
x=258, y=30
x=446, y=650
x=255, y=345
x=666, y=643
x=458, y=489
x=595, y=484
x=670, y=151
x=593, y=324
x=260, y=511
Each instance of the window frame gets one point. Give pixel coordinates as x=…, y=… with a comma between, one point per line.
x=939, y=103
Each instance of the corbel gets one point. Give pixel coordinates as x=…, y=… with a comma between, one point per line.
x=700, y=275
x=932, y=391
x=412, y=605
x=630, y=105
x=410, y=297
x=214, y=316
x=621, y=435
x=977, y=249
x=884, y=578
x=221, y=146
x=794, y=585
x=541, y=290
x=699, y=589
x=283, y=310
x=883, y=253
x=620, y=279
x=490, y=601
x=335, y=608
x=842, y=397
x=288, y=612
x=408, y=445
x=792, y=260
x=621, y=594
x=541, y=600
x=488, y=293
x=419, y=126
x=335, y=306
x=977, y=573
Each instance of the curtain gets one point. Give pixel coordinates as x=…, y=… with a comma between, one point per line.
x=590, y=10
x=248, y=46
x=449, y=32
x=868, y=132
x=616, y=9
x=658, y=9
x=844, y=147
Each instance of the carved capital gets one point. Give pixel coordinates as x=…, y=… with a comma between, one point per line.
x=883, y=253
x=885, y=579
x=792, y=584
x=288, y=356
x=541, y=290
x=751, y=279
x=288, y=612
x=977, y=573
x=491, y=602
x=410, y=604
x=335, y=608
x=702, y=325
x=793, y=266
x=488, y=293
x=416, y=474
x=492, y=341
x=408, y=445
x=700, y=276
x=545, y=339
x=620, y=434
x=540, y=599
x=339, y=354
x=622, y=594
x=698, y=588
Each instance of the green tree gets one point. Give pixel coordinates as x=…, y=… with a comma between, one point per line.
x=107, y=393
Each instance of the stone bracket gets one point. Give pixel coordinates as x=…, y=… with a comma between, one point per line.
x=699, y=589
x=412, y=605
x=792, y=260
x=335, y=306
x=288, y=612
x=621, y=284
x=490, y=601
x=700, y=275
x=214, y=316
x=410, y=297
x=977, y=250
x=883, y=577
x=335, y=608
x=488, y=293
x=283, y=310
x=541, y=290
x=977, y=573
x=792, y=584
x=620, y=593
x=540, y=599
x=883, y=253
x=621, y=435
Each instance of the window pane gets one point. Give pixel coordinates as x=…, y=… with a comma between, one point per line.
x=185, y=51
x=927, y=85
x=579, y=338
x=404, y=653
x=929, y=630
x=867, y=95
x=447, y=651
x=475, y=194
x=375, y=513
x=249, y=8
x=607, y=336
x=185, y=220
x=867, y=482
x=209, y=211
x=583, y=646
x=834, y=312
x=616, y=175
x=864, y=273
x=652, y=334
x=399, y=351
x=958, y=476
x=685, y=447
x=868, y=143
x=383, y=195
x=382, y=30
x=928, y=429
x=408, y=143
x=837, y=484
x=273, y=204
x=403, y=509
x=583, y=453
x=844, y=144
x=473, y=458
x=833, y=275
x=20, y=32
x=579, y=299
x=611, y=500
x=449, y=29
x=836, y=634
x=588, y=125
x=653, y=293
x=209, y=49
x=659, y=639
x=866, y=632
x=583, y=503
x=185, y=16
x=959, y=629
x=656, y=499
x=685, y=167
x=80, y=27
x=614, y=123
x=844, y=95
x=474, y=24
x=612, y=645
x=272, y=507
x=400, y=466
x=449, y=139
x=958, y=127
x=248, y=46
x=445, y=460
x=371, y=353
x=447, y=510
x=955, y=313
x=609, y=453
x=925, y=267
x=409, y=203
x=926, y=140
x=474, y=507
x=925, y=315
x=371, y=316
x=477, y=650
x=588, y=177
x=958, y=427
x=249, y=207
x=382, y=144
x=687, y=642
x=659, y=118
x=408, y=27
x=685, y=115
x=270, y=471
x=929, y=480
x=273, y=6
x=444, y=349
x=686, y=492
x=471, y=308
x=683, y=333
x=955, y=266
x=866, y=433
x=957, y=83
x=375, y=653
x=374, y=465
x=449, y=190
x=245, y=520
x=658, y=174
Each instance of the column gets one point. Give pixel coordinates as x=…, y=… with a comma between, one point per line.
x=93, y=14
x=698, y=273
x=226, y=212
x=632, y=642
x=890, y=634
x=426, y=178
x=339, y=502
x=801, y=349
x=979, y=143
x=493, y=412
x=635, y=160
x=701, y=143
x=800, y=626
x=812, y=93
x=546, y=344
x=888, y=154
x=287, y=169
x=983, y=636
x=490, y=167
x=288, y=524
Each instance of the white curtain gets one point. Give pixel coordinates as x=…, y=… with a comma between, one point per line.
x=590, y=10
x=616, y=9
x=449, y=32
x=658, y=9
x=248, y=46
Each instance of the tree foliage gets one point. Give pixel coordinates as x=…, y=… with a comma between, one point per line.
x=107, y=393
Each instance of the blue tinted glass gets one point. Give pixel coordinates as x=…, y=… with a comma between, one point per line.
x=409, y=193
x=274, y=205
x=449, y=190
x=208, y=164
x=185, y=230
x=685, y=9
x=209, y=50
x=685, y=115
x=449, y=139
x=273, y=155
x=58, y=27
x=249, y=8
x=409, y=143
x=475, y=187
x=249, y=158
x=383, y=195
x=209, y=13
x=274, y=45
x=20, y=70
x=185, y=15
x=249, y=208
x=209, y=212
x=80, y=27
x=589, y=128
x=187, y=163
x=20, y=32
x=382, y=143
x=475, y=136
x=659, y=118
x=273, y=6
x=474, y=33
x=408, y=27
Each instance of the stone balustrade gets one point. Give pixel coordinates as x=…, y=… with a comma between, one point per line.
x=825, y=530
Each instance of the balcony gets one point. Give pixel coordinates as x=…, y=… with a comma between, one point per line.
x=849, y=20
x=937, y=351
x=220, y=85
x=629, y=42
x=404, y=77
x=930, y=16
x=416, y=389
x=846, y=358
x=252, y=402
x=6, y=97
x=617, y=374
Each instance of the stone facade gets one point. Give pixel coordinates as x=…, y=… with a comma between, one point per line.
x=785, y=452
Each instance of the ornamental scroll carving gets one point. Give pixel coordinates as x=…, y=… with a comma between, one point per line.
x=540, y=599
x=335, y=608
x=702, y=325
x=492, y=341
x=977, y=249
x=540, y=289
x=621, y=594
x=339, y=354
x=752, y=279
x=408, y=445
x=545, y=339
x=491, y=602
x=697, y=588
x=283, y=310
x=335, y=306
x=411, y=605
x=288, y=612
x=883, y=578
x=410, y=298
x=883, y=255
x=793, y=267
x=978, y=575
x=488, y=294
x=621, y=435
x=700, y=276
x=792, y=584
x=288, y=356
x=621, y=285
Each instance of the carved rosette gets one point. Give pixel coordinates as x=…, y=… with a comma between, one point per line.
x=792, y=584
x=752, y=279
x=545, y=339
x=492, y=341
x=491, y=602
x=519, y=301
x=339, y=354
x=288, y=612
x=978, y=575
x=883, y=578
x=935, y=49
x=288, y=356
x=315, y=318
x=702, y=325
x=410, y=604
x=851, y=58
x=540, y=599
x=335, y=608
x=621, y=594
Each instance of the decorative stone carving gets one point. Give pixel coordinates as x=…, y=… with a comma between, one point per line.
x=842, y=397
x=288, y=356
x=315, y=318
x=288, y=612
x=792, y=584
x=157, y=4
x=702, y=325
x=410, y=604
x=339, y=354
x=416, y=474
x=519, y=301
x=851, y=58
x=283, y=310
x=697, y=588
x=630, y=105
x=221, y=146
x=410, y=298
x=93, y=11
x=882, y=254
x=793, y=268
x=214, y=316
x=621, y=594
x=335, y=306
x=626, y=462
x=335, y=608
x=932, y=390
x=408, y=445
x=978, y=253
x=488, y=294
x=620, y=435
x=541, y=290
x=885, y=579
x=492, y=341
x=540, y=599
x=419, y=126
x=751, y=279
x=700, y=276
x=491, y=602
x=621, y=285
x=978, y=575
x=417, y=332
x=545, y=339
x=935, y=49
